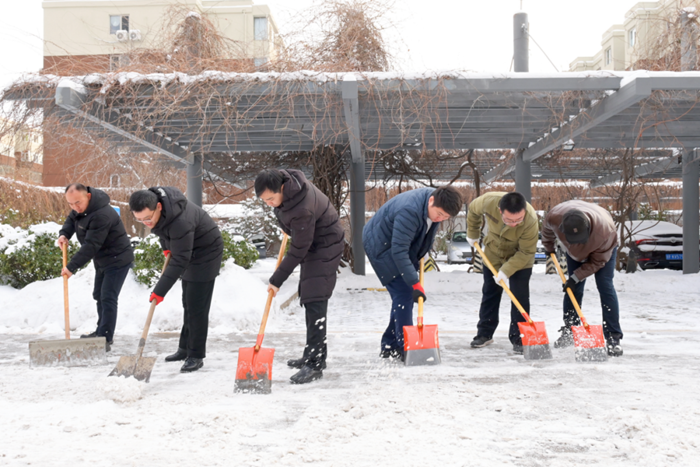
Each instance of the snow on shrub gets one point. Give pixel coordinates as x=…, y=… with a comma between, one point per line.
x=28, y=256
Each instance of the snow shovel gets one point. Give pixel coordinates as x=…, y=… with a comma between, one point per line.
x=135, y=365
x=589, y=342
x=534, y=334
x=254, y=371
x=420, y=342
x=67, y=352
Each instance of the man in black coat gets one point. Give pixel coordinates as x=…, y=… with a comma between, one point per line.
x=196, y=248
x=103, y=239
x=317, y=243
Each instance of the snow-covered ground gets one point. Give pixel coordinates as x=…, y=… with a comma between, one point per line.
x=481, y=407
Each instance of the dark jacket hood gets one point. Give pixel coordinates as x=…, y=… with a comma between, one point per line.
x=294, y=190
x=98, y=200
x=173, y=202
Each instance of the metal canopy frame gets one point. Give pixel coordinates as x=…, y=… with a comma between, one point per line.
x=530, y=114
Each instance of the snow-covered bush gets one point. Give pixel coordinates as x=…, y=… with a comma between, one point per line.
x=27, y=256
x=149, y=257
x=258, y=220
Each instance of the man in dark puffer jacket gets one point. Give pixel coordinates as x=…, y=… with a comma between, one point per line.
x=317, y=242
x=195, y=246
x=103, y=239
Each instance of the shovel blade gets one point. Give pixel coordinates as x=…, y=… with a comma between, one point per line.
x=68, y=352
x=131, y=365
x=589, y=344
x=421, y=345
x=254, y=371
x=535, y=341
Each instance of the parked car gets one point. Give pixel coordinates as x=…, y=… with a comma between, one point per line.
x=259, y=243
x=540, y=256
x=656, y=244
x=458, y=249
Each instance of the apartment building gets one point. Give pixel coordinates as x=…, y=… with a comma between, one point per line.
x=83, y=36
x=623, y=45
x=21, y=156
x=97, y=36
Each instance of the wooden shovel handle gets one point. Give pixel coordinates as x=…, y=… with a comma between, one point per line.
x=570, y=292
x=503, y=284
x=151, y=311
x=420, y=299
x=270, y=296
x=66, y=314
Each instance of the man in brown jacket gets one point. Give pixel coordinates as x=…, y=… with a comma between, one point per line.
x=318, y=240
x=589, y=237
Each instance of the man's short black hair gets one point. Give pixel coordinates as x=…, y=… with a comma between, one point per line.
x=512, y=202
x=76, y=187
x=269, y=179
x=448, y=199
x=143, y=199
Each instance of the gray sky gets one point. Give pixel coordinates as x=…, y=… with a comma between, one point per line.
x=429, y=35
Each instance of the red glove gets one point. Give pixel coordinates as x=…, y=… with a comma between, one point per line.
x=155, y=297
x=166, y=253
x=418, y=292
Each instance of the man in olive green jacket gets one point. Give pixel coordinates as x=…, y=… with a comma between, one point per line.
x=510, y=244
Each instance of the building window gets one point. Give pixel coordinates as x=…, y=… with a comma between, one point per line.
x=632, y=37
x=258, y=62
x=608, y=56
x=260, y=29
x=114, y=181
x=117, y=62
x=118, y=22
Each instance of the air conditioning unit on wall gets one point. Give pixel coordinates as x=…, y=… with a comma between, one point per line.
x=122, y=35
x=135, y=35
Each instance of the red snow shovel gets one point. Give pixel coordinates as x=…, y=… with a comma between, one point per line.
x=534, y=334
x=254, y=371
x=135, y=365
x=420, y=342
x=589, y=342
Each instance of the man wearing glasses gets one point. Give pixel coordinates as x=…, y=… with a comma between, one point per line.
x=510, y=244
x=195, y=246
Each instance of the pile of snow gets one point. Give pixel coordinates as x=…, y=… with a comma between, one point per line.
x=120, y=389
x=237, y=304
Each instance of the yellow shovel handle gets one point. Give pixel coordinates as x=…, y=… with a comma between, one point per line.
x=270, y=296
x=503, y=284
x=420, y=299
x=66, y=314
x=569, y=291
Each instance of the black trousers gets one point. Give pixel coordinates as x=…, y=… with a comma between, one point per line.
x=196, y=301
x=108, y=284
x=316, y=323
x=519, y=284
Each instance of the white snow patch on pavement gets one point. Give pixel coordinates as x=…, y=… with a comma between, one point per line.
x=480, y=407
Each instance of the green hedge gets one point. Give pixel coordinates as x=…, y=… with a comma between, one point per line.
x=38, y=260
x=149, y=257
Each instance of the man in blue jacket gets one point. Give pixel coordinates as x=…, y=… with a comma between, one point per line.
x=395, y=239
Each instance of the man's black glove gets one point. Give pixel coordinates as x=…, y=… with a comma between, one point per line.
x=570, y=284
x=418, y=292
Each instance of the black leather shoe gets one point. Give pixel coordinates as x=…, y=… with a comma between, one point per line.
x=299, y=363
x=518, y=349
x=177, y=356
x=390, y=353
x=192, y=364
x=306, y=375
x=88, y=336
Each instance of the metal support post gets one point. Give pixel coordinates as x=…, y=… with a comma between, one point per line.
x=521, y=64
x=194, y=181
x=691, y=207
x=357, y=214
